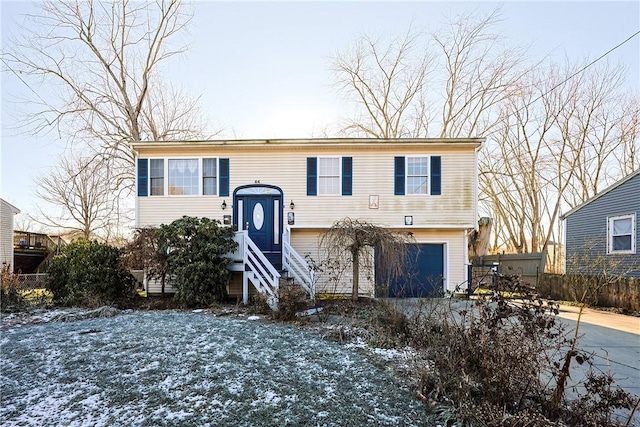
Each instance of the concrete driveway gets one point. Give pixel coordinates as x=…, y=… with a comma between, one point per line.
x=614, y=340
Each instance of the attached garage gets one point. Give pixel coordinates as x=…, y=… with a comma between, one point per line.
x=423, y=273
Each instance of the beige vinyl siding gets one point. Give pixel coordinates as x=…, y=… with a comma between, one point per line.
x=153, y=211
x=154, y=287
x=373, y=174
x=306, y=242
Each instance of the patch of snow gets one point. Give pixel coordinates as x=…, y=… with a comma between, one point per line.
x=253, y=318
x=168, y=368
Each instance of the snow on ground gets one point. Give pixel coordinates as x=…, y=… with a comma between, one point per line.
x=177, y=368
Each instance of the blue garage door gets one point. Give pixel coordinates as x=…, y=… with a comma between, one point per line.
x=423, y=274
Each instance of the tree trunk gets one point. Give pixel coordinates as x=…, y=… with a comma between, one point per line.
x=356, y=275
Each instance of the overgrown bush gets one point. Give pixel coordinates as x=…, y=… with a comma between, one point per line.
x=196, y=261
x=10, y=297
x=89, y=273
x=499, y=362
x=291, y=300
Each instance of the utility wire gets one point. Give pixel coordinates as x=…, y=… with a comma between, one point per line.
x=582, y=69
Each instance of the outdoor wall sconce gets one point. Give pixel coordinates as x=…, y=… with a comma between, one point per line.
x=224, y=205
x=408, y=220
x=292, y=205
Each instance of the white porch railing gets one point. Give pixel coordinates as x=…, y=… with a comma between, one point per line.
x=297, y=267
x=256, y=269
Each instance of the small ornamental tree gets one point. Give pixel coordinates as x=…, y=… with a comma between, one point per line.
x=195, y=259
x=350, y=239
x=89, y=273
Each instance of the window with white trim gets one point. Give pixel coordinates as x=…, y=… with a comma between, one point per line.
x=417, y=175
x=156, y=177
x=329, y=175
x=621, y=234
x=183, y=177
x=209, y=177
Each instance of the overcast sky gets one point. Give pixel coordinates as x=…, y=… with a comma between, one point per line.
x=262, y=67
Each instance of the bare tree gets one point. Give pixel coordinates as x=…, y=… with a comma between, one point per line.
x=351, y=239
x=400, y=85
x=80, y=192
x=388, y=81
x=104, y=60
x=555, y=134
x=556, y=147
x=480, y=72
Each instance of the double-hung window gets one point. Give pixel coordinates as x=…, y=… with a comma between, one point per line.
x=621, y=234
x=183, y=177
x=156, y=177
x=209, y=177
x=418, y=175
x=329, y=176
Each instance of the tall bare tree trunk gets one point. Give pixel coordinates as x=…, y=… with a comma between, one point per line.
x=356, y=274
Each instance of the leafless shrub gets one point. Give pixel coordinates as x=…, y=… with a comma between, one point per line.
x=10, y=284
x=497, y=362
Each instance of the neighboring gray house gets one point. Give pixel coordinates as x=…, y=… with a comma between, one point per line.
x=602, y=235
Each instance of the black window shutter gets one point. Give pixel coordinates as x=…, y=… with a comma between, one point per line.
x=312, y=176
x=347, y=176
x=224, y=177
x=399, y=176
x=436, y=176
x=143, y=177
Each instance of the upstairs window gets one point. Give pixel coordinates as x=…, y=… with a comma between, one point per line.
x=621, y=234
x=417, y=175
x=209, y=177
x=156, y=177
x=183, y=177
x=329, y=175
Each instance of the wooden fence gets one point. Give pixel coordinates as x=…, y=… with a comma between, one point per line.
x=618, y=292
x=529, y=267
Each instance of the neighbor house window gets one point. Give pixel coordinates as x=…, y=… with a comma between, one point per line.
x=183, y=177
x=621, y=234
x=156, y=177
x=329, y=175
x=417, y=175
x=209, y=177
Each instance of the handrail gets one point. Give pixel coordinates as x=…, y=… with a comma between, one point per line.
x=261, y=273
x=293, y=262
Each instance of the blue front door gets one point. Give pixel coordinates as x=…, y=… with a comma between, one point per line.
x=258, y=209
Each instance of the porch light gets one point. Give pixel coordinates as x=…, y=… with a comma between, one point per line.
x=224, y=205
x=292, y=205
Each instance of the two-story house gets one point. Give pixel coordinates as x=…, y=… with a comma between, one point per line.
x=281, y=194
